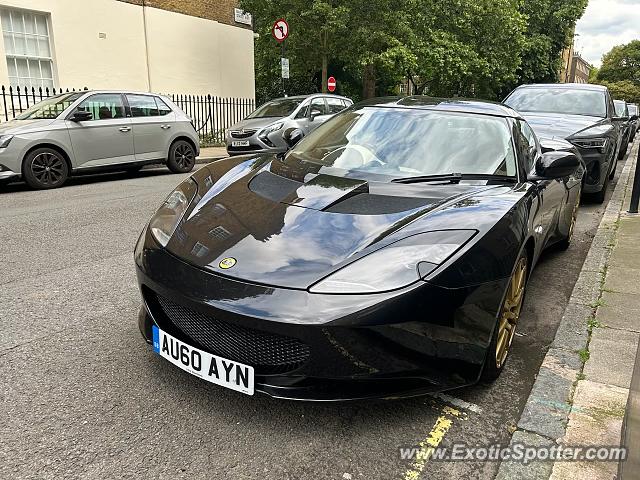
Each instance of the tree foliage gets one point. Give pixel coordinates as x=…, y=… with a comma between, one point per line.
x=446, y=47
x=620, y=72
x=550, y=26
x=621, y=63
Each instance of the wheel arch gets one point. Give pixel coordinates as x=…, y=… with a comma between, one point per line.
x=187, y=139
x=52, y=146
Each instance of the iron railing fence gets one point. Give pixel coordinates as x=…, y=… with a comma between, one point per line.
x=211, y=115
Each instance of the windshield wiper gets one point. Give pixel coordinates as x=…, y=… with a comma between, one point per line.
x=454, y=178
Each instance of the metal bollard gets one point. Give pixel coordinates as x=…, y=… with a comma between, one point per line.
x=635, y=193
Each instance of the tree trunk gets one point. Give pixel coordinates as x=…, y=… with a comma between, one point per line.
x=369, y=81
x=325, y=61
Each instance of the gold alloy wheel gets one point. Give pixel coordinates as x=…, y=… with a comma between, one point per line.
x=511, y=311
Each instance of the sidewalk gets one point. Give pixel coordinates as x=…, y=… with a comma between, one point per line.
x=209, y=154
x=581, y=390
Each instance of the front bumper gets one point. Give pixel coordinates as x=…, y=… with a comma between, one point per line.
x=327, y=347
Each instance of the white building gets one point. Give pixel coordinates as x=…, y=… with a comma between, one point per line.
x=163, y=46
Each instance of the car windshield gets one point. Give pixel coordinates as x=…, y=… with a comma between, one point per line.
x=50, y=107
x=405, y=143
x=559, y=100
x=633, y=110
x=620, y=107
x=282, y=107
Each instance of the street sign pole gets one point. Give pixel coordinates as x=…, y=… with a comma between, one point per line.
x=280, y=32
x=284, y=90
x=635, y=193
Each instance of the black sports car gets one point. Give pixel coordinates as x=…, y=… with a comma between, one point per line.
x=385, y=255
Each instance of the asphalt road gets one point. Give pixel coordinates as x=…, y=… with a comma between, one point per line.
x=82, y=395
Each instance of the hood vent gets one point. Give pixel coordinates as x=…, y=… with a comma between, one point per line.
x=273, y=187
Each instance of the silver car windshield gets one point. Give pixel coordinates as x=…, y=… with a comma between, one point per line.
x=277, y=108
x=559, y=100
x=406, y=143
x=50, y=108
x=633, y=110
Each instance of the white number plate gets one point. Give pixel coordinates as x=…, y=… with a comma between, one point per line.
x=211, y=368
x=240, y=143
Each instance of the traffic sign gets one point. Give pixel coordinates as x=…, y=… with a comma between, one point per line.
x=285, y=67
x=331, y=84
x=280, y=30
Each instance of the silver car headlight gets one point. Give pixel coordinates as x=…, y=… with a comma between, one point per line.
x=5, y=140
x=397, y=265
x=168, y=217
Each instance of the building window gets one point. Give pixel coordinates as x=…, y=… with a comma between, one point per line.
x=27, y=47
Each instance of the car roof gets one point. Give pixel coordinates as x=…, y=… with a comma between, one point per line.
x=462, y=105
x=570, y=86
x=132, y=92
x=302, y=97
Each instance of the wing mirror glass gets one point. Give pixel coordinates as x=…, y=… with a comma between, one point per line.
x=556, y=165
x=81, y=116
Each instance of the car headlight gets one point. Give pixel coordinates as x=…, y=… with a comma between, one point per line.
x=590, y=142
x=396, y=265
x=168, y=217
x=5, y=140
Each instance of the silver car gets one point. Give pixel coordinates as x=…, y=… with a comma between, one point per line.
x=91, y=131
x=265, y=130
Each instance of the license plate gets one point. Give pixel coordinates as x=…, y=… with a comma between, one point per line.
x=211, y=368
x=240, y=143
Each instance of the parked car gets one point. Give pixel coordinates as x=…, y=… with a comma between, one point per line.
x=92, y=131
x=635, y=120
x=265, y=130
x=385, y=255
x=584, y=115
x=623, y=112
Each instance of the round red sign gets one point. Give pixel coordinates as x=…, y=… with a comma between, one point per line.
x=331, y=84
x=280, y=30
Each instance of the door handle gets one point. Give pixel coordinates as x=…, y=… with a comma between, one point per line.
x=125, y=129
x=165, y=127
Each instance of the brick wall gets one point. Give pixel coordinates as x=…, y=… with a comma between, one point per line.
x=218, y=10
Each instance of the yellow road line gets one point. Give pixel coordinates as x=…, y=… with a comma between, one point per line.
x=429, y=444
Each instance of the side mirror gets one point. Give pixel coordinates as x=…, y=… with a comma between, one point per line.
x=634, y=118
x=81, y=116
x=556, y=165
x=292, y=137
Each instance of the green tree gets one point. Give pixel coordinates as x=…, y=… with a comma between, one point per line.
x=550, y=26
x=621, y=63
x=468, y=48
x=624, y=90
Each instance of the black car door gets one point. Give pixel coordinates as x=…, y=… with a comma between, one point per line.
x=551, y=194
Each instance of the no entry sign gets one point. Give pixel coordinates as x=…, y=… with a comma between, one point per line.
x=331, y=84
x=280, y=30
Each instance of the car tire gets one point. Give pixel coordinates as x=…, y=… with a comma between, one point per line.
x=182, y=157
x=45, y=168
x=566, y=242
x=504, y=331
x=599, y=197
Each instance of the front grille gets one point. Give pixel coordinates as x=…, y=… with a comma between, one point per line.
x=268, y=353
x=242, y=133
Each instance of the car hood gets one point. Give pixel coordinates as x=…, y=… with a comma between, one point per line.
x=290, y=229
x=559, y=125
x=23, y=126
x=255, y=123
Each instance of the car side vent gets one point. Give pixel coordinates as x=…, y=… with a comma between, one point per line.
x=273, y=187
